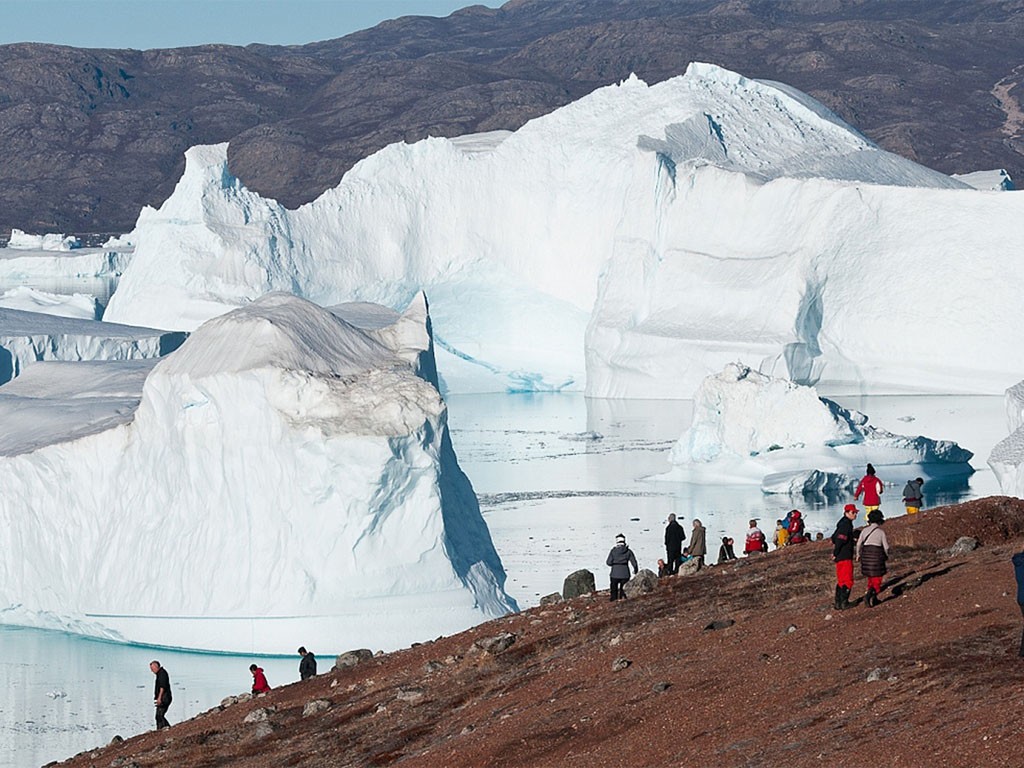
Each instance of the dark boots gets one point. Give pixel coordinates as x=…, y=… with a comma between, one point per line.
x=842, y=598
x=871, y=598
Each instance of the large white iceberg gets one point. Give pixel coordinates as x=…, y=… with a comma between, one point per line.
x=638, y=240
x=752, y=428
x=286, y=478
x=1007, y=456
x=21, y=240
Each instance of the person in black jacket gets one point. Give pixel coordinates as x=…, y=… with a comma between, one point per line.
x=307, y=666
x=161, y=694
x=842, y=556
x=674, y=538
x=1018, y=569
x=620, y=558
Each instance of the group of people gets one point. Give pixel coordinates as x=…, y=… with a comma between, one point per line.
x=162, y=689
x=870, y=547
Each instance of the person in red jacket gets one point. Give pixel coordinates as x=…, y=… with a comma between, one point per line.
x=871, y=487
x=259, y=680
x=796, y=528
x=755, y=542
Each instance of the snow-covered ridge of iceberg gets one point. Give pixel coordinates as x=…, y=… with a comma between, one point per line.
x=287, y=478
x=701, y=220
x=28, y=337
x=1007, y=456
x=77, y=305
x=752, y=428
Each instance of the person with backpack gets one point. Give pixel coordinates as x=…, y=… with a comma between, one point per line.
x=842, y=556
x=725, y=552
x=620, y=559
x=872, y=489
x=872, y=552
x=755, y=542
x=913, y=495
x=796, y=527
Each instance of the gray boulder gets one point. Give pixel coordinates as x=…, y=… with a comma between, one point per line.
x=645, y=581
x=497, y=644
x=578, y=583
x=349, y=659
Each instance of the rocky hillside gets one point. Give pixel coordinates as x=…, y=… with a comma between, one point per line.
x=745, y=664
x=89, y=136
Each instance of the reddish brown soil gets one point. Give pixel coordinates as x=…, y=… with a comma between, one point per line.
x=785, y=685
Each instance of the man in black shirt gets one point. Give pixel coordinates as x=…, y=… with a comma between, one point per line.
x=161, y=694
x=674, y=536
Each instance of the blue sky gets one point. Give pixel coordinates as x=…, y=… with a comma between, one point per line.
x=145, y=24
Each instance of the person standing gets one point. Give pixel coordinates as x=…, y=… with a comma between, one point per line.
x=872, y=489
x=913, y=495
x=620, y=559
x=842, y=556
x=1018, y=569
x=872, y=552
x=161, y=694
x=674, y=538
x=307, y=665
x=698, y=543
x=259, y=680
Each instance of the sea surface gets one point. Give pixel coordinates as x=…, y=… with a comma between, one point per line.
x=558, y=476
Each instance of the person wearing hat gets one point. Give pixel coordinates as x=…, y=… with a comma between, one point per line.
x=872, y=489
x=913, y=496
x=872, y=552
x=842, y=556
x=620, y=559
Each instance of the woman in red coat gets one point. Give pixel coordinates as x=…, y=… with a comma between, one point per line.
x=871, y=487
x=259, y=680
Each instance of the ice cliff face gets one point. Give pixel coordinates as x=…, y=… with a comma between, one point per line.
x=287, y=477
x=636, y=240
x=1007, y=457
x=28, y=337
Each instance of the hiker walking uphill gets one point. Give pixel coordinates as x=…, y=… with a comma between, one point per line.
x=842, y=556
x=674, y=538
x=872, y=489
x=307, y=665
x=161, y=694
x=620, y=559
x=259, y=680
x=872, y=552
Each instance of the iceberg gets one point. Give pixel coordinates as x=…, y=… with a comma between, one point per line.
x=29, y=337
x=285, y=477
x=1007, y=456
x=79, y=305
x=630, y=243
x=752, y=428
x=21, y=240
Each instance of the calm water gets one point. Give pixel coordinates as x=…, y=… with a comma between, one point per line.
x=558, y=476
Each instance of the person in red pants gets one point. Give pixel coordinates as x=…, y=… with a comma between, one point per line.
x=872, y=552
x=842, y=556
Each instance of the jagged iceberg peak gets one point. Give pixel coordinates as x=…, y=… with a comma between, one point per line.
x=278, y=330
x=631, y=243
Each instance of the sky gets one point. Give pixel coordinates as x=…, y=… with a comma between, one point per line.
x=143, y=24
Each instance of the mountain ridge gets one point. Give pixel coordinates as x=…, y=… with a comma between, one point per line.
x=92, y=135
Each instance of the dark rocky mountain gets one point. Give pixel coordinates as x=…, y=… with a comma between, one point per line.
x=89, y=136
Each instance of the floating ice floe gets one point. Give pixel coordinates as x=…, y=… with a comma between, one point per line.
x=752, y=428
